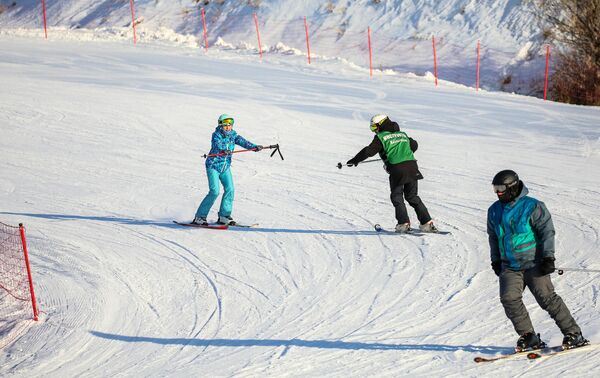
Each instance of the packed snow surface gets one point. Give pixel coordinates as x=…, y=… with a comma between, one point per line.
x=102, y=147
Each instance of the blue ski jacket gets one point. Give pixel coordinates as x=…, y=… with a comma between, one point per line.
x=520, y=233
x=224, y=143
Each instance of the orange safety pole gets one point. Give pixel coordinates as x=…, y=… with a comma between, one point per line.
x=132, y=5
x=477, y=78
x=205, y=34
x=434, y=61
x=547, y=69
x=24, y=242
x=370, y=53
x=44, y=13
x=258, y=35
x=307, y=43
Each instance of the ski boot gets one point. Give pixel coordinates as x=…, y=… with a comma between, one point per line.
x=428, y=227
x=226, y=220
x=573, y=340
x=403, y=228
x=200, y=220
x=529, y=341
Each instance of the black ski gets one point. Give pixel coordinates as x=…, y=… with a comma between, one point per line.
x=412, y=231
x=479, y=359
x=244, y=225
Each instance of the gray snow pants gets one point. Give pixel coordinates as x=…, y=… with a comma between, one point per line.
x=512, y=285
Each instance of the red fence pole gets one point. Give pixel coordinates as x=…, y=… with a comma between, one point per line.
x=44, y=13
x=132, y=5
x=477, y=76
x=547, y=66
x=370, y=53
x=258, y=36
x=205, y=34
x=24, y=242
x=435, y=73
x=307, y=43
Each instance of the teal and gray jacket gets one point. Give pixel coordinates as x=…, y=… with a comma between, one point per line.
x=520, y=233
x=222, y=145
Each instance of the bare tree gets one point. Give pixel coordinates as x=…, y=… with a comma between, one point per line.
x=575, y=24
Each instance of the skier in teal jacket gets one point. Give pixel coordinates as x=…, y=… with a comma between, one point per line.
x=218, y=169
x=521, y=238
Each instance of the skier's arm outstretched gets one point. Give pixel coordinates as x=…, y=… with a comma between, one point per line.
x=241, y=141
x=371, y=150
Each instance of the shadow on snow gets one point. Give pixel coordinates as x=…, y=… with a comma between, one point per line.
x=142, y=222
x=321, y=344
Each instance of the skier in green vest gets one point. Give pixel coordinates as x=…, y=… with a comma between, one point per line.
x=396, y=150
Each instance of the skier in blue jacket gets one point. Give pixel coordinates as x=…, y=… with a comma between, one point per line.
x=521, y=238
x=218, y=170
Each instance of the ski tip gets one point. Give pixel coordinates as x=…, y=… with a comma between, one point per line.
x=479, y=359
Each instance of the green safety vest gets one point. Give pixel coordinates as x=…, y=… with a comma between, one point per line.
x=396, y=146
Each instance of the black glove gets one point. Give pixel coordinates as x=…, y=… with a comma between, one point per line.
x=497, y=266
x=258, y=148
x=352, y=162
x=547, y=265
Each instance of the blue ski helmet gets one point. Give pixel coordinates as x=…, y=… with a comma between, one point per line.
x=225, y=120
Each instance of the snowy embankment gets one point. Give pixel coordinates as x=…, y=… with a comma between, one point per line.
x=101, y=149
x=512, y=46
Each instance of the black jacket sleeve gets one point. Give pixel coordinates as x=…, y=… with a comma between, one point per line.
x=413, y=144
x=371, y=150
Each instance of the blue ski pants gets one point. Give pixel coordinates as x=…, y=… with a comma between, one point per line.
x=214, y=177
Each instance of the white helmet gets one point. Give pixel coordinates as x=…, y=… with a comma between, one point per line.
x=377, y=120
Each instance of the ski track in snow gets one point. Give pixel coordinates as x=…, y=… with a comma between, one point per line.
x=100, y=157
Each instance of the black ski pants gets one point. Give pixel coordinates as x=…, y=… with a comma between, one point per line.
x=408, y=191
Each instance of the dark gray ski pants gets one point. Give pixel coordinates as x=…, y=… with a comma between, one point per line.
x=512, y=284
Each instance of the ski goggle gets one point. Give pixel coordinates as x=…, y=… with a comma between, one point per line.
x=502, y=187
x=376, y=125
x=227, y=122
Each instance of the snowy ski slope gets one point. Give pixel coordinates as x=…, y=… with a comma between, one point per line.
x=101, y=149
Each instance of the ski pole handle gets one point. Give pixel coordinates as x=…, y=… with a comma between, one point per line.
x=276, y=147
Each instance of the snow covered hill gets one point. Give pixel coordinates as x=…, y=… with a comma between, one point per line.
x=101, y=149
x=511, y=42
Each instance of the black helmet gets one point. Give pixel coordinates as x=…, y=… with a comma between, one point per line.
x=507, y=185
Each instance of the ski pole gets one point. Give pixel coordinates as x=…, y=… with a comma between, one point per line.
x=340, y=165
x=561, y=271
x=275, y=146
x=228, y=153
